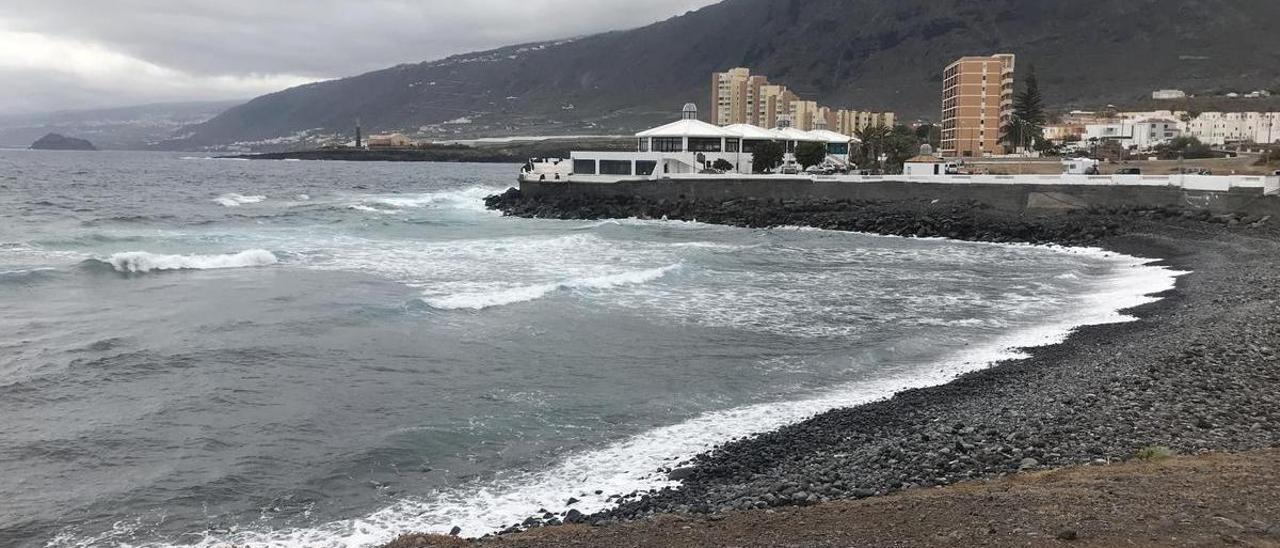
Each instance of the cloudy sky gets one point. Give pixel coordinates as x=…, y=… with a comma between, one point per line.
x=69, y=54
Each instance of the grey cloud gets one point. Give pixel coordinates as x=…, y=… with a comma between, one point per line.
x=316, y=38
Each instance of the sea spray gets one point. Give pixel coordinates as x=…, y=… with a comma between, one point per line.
x=141, y=261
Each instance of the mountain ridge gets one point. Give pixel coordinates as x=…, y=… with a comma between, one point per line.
x=863, y=54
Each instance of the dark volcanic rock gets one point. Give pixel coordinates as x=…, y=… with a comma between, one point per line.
x=1199, y=371
x=54, y=141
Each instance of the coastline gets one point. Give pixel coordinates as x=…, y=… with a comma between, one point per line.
x=1194, y=373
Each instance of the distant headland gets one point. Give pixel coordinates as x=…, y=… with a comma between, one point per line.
x=54, y=141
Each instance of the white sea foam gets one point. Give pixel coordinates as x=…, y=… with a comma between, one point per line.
x=481, y=300
x=471, y=198
x=141, y=261
x=632, y=464
x=232, y=199
x=371, y=209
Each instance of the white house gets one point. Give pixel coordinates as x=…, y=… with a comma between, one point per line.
x=684, y=147
x=837, y=146
x=1168, y=94
x=1220, y=128
x=1140, y=134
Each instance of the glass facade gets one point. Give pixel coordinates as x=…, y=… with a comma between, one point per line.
x=615, y=167
x=668, y=144
x=645, y=167
x=731, y=145
x=584, y=167
x=703, y=144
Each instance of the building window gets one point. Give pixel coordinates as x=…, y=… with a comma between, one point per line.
x=584, y=167
x=702, y=144
x=731, y=145
x=643, y=145
x=645, y=167
x=668, y=144
x=615, y=167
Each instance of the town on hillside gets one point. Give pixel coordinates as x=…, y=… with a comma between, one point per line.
x=993, y=122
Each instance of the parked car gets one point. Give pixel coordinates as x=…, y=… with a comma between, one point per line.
x=1129, y=171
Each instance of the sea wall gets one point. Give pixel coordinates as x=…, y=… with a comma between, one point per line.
x=1033, y=199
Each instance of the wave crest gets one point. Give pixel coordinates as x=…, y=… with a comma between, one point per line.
x=232, y=199
x=503, y=297
x=141, y=262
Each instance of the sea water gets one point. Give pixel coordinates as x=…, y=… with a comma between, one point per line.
x=211, y=352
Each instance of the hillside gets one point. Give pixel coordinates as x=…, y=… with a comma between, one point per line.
x=867, y=54
x=113, y=128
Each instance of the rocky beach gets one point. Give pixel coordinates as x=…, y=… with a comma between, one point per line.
x=1197, y=373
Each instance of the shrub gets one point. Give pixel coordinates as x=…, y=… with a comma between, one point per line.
x=722, y=165
x=1153, y=453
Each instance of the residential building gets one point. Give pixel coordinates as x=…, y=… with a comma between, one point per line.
x=774, y=101
x=850, y=122
x=804, y=115
x=1135, y=135
x=1060, y=133
x=1220, y=128
x=738, y=97
x=977, y=102
x=729, y=96
x=1168, y=94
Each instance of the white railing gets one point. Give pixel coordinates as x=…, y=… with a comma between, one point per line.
x=1219, y=183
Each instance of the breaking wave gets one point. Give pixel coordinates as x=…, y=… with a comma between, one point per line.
x=503, y=297
x=468, y=198
x=141, y=262
x=232, y=199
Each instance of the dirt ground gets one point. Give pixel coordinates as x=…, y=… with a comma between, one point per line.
x=1210, y=500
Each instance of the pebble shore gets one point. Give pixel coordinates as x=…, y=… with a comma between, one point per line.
x=1198, y=372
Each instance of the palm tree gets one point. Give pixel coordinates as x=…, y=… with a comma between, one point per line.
x=874, y=139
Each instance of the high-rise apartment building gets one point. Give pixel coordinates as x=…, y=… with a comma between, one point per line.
x=977, y=102
x=738, y=97
x=850, y=122
x=729, y=96
x=804, y=115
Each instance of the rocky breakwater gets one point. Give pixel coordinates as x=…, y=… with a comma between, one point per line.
x=1198, y=372
x=959, y=220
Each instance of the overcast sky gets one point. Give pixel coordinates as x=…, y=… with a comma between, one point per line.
x=70, y=54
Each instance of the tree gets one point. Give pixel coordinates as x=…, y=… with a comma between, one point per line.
x=900, y=144
x=766, y=156
x=874, y=139
x=811, y=154
x=1188, y=148
x=1027, y=126
x=929, y=133
x=722, y=165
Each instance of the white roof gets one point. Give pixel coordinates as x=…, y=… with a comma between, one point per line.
x=793, y=134
x=687, y=128
x=754, y=133
x=831, y=136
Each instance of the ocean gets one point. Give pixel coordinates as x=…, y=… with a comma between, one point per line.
x=207, y=352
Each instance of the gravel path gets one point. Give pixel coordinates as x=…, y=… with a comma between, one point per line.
x=1199, y=372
